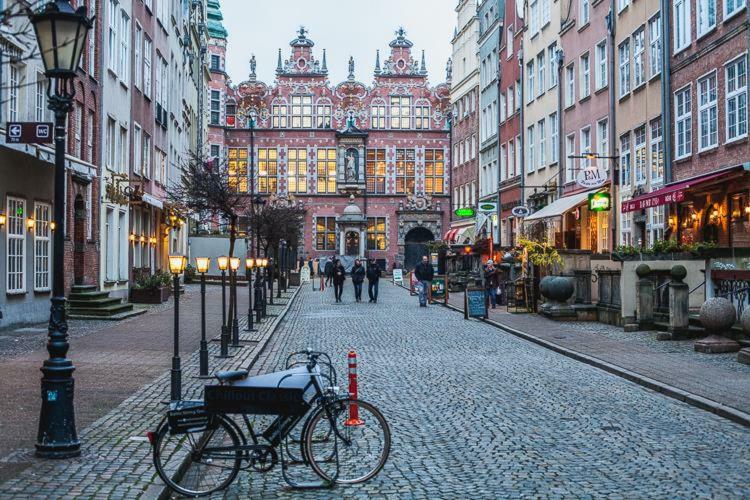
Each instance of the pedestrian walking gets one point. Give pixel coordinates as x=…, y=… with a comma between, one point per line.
x=358, y=277
x=424, y=274
x=373, y=277
x=328, y=271
x=338, y=274
x=491, y=281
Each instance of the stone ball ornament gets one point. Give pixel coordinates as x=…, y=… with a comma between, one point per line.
x=557, y=288
x=544, y=284
x=745, y=320
x=678, y=272
x=717, y=315
x=643, y=270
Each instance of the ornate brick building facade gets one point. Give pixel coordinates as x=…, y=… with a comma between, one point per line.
x=369, y=163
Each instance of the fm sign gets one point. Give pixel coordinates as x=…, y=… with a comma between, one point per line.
x=591, y=177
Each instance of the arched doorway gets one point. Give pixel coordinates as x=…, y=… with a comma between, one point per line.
x=415, y=246
x=79, y=240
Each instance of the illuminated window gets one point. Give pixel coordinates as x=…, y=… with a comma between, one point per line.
x=325, y=237
x=376, y=171
x=297, y=170
x=434, y=171
x=16, y=244
x=327, y=170
x=400, y=112
x=268, y=169
x=422, y=117
x=42, y=238
x=237, y=169
x=323, y=116
x=302, y=111
x=278, y=116
x=405, y=171
x=376, y=233
x=378, y=116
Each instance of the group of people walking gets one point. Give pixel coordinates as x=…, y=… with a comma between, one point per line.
x=335, y=274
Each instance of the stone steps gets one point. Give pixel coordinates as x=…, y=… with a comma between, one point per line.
x=88, y=302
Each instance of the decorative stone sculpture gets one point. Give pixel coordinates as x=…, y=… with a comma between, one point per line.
x=645, y=290
x=558, y=290
x=717, y=316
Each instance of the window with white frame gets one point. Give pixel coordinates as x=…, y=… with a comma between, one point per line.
x=541, y=131
x=570, y=163
x=585, y=146
x=146, y=155
x=279, y=115
x=518, y=155
x=639, y=139
x=530, y=82
x=585, y=75
x=601, y=65
x=683, y=122
x=14, y=87
x=422, y=116
x=570, y=83
x=654, y=44
x=137, y=148
x=657, y=152
x=657, y=224
x=621, y=4
x=602, y=142
x=40, y=97
x=400, y=112
x=731, y=7
x=503, y=110
x=544, y=14
x=708, y=127
x=518, y=94
x=531, y=157
x=626, y=237
x=624, y=58
x=147, y=49
x=511, y=103
x=681, y=24
x=378, y=117
x=736, y=98
x=585, y=13
x=42, y=246
x=112, y=21
x=552, y=59
x=124, y=61
x=15, y=267
x=92, y=41
x=503, y=162
x=706, y=16
x=541, y=67
x=639, y=57
x=553, y=157
x=90, y=126
x=534, y=17
x=137, y=49
x=77, y=130
x=509, y=43
x=625, y=160
x=215, y=107
x=123, y=148
x=111, y=144
x=302, y=111
x=511, y=159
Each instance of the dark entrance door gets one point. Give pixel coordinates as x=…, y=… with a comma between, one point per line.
x=352, y=243
x=415, y=246
x=79, y=240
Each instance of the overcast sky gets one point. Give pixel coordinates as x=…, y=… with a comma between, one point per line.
x=345, y=28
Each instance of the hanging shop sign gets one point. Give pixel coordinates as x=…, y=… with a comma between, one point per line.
x=600, y=202
x=520, y=211
x=465, y=212
x=591, y=177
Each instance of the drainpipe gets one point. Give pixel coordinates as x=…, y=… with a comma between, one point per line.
x=666, y=84
x=614, y=180
x=561, y=159
x=522, y=135
x=499, y=173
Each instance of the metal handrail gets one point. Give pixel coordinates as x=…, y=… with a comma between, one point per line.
x=666, y=283
x=697, y=287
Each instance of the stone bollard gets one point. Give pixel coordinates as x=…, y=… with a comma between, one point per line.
x=744, y=355
x=645, y=304
x=717, y=316
x=679, y=304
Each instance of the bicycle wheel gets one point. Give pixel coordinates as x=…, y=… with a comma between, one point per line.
x=362, y=444
x=200, y=462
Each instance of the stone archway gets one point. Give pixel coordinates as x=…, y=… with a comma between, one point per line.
x=415, y=245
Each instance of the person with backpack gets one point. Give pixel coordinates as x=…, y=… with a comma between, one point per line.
x=338, y=276
x=358, y=277
x=424, y=274
x=373, y=277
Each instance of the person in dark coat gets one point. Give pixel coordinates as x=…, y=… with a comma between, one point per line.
x=491, y=281
x=358, y=277
x=373, y=277
x=338, y=274
x=328, y=270
x=424, y=274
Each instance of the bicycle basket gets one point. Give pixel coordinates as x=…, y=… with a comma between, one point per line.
x=187, y=416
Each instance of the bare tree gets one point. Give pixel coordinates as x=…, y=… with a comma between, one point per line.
x=273, y=222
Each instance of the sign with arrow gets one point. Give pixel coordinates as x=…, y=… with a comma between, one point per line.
x=28, y=133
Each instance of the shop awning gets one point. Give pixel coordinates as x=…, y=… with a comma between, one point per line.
x=153, y=201
x=450, y=235
x=463, y=233
x=560, y=206
x=673, y=193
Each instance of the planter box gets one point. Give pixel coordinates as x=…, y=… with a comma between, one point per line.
x=149, y=295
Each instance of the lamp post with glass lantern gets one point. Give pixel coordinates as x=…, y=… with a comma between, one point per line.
x=176, y=267
x=202, y=264
x=249, y=265
x=261, y=299
x=223, y=263
x=282, y=261
x=234, y=265
x=61, y=35
x=268, y=272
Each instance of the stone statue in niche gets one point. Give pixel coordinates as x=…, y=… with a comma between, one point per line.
x=352, y=165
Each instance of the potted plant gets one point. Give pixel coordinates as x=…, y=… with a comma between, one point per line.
x=151, y=289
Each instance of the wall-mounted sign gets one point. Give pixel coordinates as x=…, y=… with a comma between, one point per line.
x=591, y=177
x=600, y=202
x=520, y=211
x=28, y=132
x=488, y=206
x=465, y=212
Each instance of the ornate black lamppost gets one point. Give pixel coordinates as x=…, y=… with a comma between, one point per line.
x=282, y=262
x=234, y=265
x=249, y=265
x=202, y=264
x=61, y=35
x=176, y=267
x=223, y=263
x=269, y=272
x=260, y=290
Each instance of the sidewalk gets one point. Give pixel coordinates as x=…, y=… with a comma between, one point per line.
x=122, y=380
x=714, y=382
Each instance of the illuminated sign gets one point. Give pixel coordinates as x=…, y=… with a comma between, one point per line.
x=600, y=202
x=465, y=212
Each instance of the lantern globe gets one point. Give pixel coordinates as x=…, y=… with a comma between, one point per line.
x=61, y=35
x=234, y=263
x=249, y=263
x=222, y=262
x=176, y=264
x=202, y=264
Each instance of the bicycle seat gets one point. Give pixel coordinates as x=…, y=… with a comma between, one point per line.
x=231, y=376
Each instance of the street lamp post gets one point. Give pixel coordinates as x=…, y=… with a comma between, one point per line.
x=176, y=267
x=269, y=271
x=260, y=290
x=282, y=263
x=234, y=265
x=202, y=264
x=223, y=263
x=249, y=265
x=61, y=35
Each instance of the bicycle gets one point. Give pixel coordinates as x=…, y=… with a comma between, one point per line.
x=199, y=449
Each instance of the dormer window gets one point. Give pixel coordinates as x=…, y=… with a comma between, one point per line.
x=302, y=111
x=422, y=116
x=323, y=114
x=378, y=115
x=279, y=115
x=400, y=112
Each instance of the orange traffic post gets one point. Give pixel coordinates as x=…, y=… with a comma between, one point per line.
x=353, y=419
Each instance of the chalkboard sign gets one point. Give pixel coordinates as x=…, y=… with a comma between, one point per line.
x=475, y=304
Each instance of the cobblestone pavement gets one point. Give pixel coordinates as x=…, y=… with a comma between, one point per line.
x=715, y=377
x=122, y=380
x=478, y=413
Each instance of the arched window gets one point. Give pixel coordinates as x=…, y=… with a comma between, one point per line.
x=323, y=113
x=422, y=114
x=279, y=110
x=378, y=114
